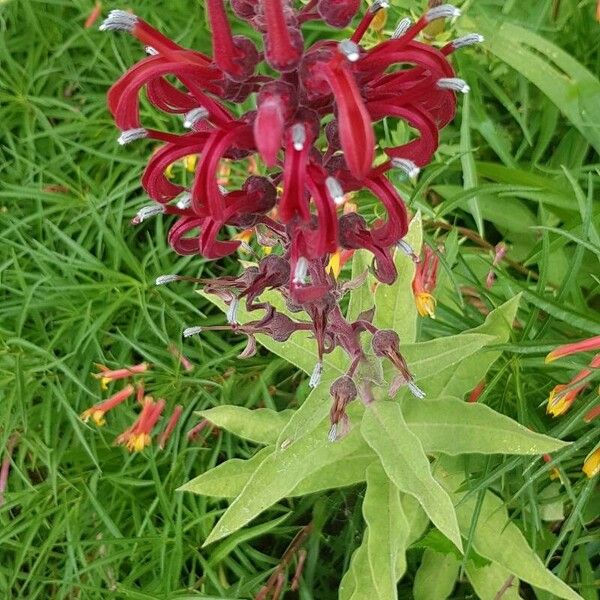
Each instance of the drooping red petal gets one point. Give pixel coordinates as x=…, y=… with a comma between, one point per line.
x=355, y=129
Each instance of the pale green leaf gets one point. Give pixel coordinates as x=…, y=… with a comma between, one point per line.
x=228, y=479
x=387, y=531
x=427, y=360
x=280, y=472
x=436, y=576
x=453, y=426
x=406, y=464
x=260, y=425
x=458, y=379
x=496, y=536
x=346, y=471
x=415, y=515
x=357, y=582
x=488, y=581
x=395, y=304
x=498, y=539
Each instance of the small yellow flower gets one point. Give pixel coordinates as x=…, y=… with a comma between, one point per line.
x=591, y=465
x=379, y=20
x=190, y=162
x=96, y=415
x=425, y=304
x=335, y=263
x=267, y=250
x=558, y=401
x=137, y=442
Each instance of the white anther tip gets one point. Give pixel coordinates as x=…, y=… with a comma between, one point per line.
x=131, y=135
x=379, y=5
x=185, y=201
x=301, y=271
x=350, y=50
x=298, y=136
x=467, y=40
x=335, y=190
x=402, y=27
x=444, y=11
x=190, y=331
x=332, y=436
x=315, y=377
x=193, y=116
x=232, y=312
x=164, y=279
x=406, y=165
x=146, y=212
x=416, y=390
x=454, y=84
x=119, y=20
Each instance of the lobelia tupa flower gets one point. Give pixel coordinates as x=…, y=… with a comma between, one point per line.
x=313, y=129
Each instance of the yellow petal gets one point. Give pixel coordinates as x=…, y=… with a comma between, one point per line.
x=591, y=465
x=335, y=264
x=190, y=162
x=425, y=304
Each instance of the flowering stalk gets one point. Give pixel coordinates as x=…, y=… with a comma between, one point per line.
x=97, y=412
x=339, y=89
x=138, y=436
x=106, y=376
x=424, y=283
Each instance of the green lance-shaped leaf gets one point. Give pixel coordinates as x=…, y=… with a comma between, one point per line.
x=387, y=531
x=462, y=376
x=260, y=425
x=395, y=304
x=348, y=470
x=453, y=426
x=491, y=580
x=436, y=576
x=280, y=472
x=228, y=479
x=498, y=539
x=406, y=464
x=357, y=582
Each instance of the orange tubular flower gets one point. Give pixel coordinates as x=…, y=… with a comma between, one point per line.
x=562, y=396
x=166, y=434
x=106, y=375
x=591, y=465
x=592, y=343
x=477, y=391
x=96, y=412
x=554, y=472
x=138, y=436
x=424, y=283
x=592, y=414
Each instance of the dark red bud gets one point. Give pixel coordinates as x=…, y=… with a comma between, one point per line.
x=338, y=13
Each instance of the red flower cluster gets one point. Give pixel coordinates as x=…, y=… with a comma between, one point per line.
x=313, y=130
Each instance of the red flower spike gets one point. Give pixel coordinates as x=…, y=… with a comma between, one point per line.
x=283, y=44
x=274, y=107
x=235, y=55
x=293, y=208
